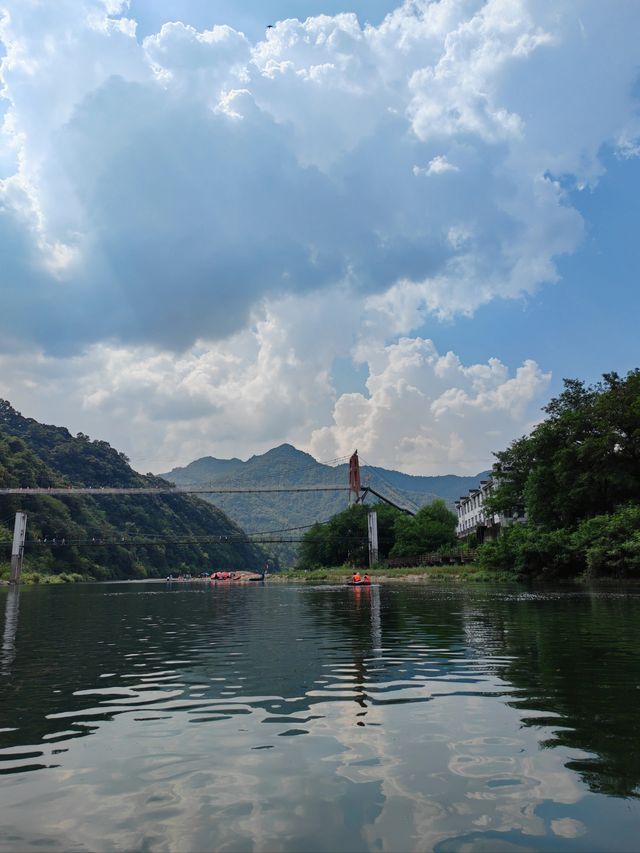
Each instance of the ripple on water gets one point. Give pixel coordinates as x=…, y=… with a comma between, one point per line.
x=315, y=721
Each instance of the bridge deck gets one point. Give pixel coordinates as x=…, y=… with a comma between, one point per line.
x=166, y=490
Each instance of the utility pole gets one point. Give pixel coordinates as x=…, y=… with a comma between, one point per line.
x=372, y=525
x=17, y=549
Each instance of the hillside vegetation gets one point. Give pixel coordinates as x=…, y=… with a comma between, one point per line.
x=35, y=454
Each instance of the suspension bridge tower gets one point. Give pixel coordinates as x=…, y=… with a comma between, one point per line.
x=354, y=479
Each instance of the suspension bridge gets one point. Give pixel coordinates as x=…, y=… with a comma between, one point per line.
x=357, y=494
x=199, y=489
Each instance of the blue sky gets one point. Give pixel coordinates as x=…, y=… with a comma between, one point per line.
x=587, y=323
x=581, y=327
x=395, y=227
x=250, y=17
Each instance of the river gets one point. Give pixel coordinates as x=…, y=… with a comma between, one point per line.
x=189, y=717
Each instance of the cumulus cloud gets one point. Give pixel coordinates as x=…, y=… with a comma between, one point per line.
x=421, y=411
x=178, y=181
x=429, y=412
x=438, y=166
x=261, y=208
x=266, y=384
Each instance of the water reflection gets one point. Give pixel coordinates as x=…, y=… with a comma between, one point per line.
x=575, y=665
x=11, y=611
x=316, y=718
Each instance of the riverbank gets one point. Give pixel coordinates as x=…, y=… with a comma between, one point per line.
x=35, y=578
x=463, y=574
x=40, y=578
x=454, y=574
x=469, y=573
x=414, y=574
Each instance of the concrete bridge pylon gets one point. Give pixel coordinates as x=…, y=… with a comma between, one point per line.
x=17, y=549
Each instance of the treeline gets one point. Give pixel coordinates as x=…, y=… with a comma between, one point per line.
x=37, y=455
x=344, y=539
x=578, y=476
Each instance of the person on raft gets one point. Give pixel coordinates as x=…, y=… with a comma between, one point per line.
x=356, y=577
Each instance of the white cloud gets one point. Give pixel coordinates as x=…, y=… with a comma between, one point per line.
x=261, y=208
x=198, y=65
x=427, y=412
x=199, y=169
x=422, y=412
x=438, y=166
x=266, y=384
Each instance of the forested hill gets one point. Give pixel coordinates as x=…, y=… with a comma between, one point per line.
x=35, y=454
x=285, y=465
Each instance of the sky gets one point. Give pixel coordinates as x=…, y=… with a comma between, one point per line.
x=397, y=227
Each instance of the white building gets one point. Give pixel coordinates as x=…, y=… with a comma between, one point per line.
x=473, y=519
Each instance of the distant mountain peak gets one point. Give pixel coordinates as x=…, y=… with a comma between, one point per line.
x=214, y=459
x=285, y=465
x=283, y=451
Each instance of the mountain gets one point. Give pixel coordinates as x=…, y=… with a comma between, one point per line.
x=35, y=454
x=285, y=465
x=449, y=487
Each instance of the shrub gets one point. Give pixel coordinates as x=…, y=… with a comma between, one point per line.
x=528, y=550
x=611, y=543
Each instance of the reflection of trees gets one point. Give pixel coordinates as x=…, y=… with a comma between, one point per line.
x=573, y=660
x=576, y=657
x=85, y=651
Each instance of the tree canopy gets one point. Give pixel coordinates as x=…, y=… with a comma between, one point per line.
x=432, y=528
x=583, y=460
x=344, y=539
x=578, y=475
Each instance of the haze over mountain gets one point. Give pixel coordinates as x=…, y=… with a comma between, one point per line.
x=286, y=466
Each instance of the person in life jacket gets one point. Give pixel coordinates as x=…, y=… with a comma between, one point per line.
x=366, y=579
x=356, y=577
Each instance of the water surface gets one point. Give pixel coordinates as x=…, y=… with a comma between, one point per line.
x=195, y=717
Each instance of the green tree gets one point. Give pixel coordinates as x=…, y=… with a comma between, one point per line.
x=344, y=538
x=611, y=543
x=578, y=474
x=432, y=528
x=583, y=460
